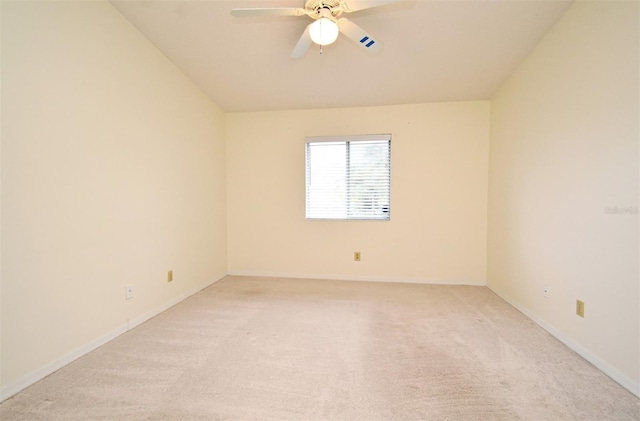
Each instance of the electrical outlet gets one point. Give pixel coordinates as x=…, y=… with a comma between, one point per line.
x=546, y=292
x=129, y=292
x=356, y=256
x=580, y=308
x=170, y=276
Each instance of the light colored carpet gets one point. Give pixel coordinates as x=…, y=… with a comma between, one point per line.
x=282, y=349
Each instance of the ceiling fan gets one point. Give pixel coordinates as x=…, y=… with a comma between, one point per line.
x=326, y=24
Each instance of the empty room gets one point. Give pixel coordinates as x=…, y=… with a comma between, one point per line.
x=322, y=209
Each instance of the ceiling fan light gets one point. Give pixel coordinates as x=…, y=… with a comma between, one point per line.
x=323, y=31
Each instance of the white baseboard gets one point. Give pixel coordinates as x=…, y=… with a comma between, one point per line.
x=357, y=278
x=11, y=389
x=132, y=323
x=624, y=381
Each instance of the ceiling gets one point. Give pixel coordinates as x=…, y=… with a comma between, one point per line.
x=434, y=51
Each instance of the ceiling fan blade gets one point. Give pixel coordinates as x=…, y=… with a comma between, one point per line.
x=355, y=5
x=360, y=36
x=279, y=11
x=303, y=45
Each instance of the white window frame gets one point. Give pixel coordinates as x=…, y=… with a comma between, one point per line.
x=315, y=213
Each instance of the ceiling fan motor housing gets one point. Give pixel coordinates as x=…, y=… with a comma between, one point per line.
x=324, y=8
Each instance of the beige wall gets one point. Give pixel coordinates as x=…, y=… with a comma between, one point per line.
x=437, y=231
x=113, y=173
x=564, y=148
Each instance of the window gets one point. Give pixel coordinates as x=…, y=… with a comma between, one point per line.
x=348, y=177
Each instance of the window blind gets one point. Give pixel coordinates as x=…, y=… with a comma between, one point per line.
x=348, y=177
